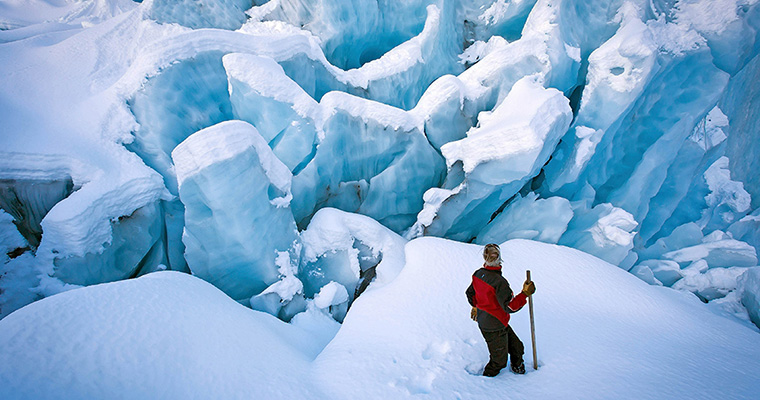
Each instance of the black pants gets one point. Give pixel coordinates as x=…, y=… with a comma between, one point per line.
x=502, y=343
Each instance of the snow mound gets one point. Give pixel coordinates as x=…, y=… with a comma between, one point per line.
x=601, y=333
x=165, y=335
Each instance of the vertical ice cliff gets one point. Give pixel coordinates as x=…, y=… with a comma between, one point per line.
x=236, y=195
x=223, y=14
x=284, y=114
x=507, y=148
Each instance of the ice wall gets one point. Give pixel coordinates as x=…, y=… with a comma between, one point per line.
x=509, y=147
x=236, y=195
x=83, y=228
x=352, y=33
x=349, y=250
x=222, y=14
x=387, y=166
x=136, y=242
x=397, y=77
x=28, y=200
x=17, y=276
x=284, y=114
x=741, y=102
x=750, y=285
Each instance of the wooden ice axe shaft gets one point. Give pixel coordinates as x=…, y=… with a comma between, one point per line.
x=532, y=327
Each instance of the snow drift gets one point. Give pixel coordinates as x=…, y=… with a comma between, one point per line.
x=641, y=152
x=601, y=333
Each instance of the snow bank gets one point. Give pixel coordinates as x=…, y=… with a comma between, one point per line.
x=57, y=14
x=166, y=335
x=170, y=335
x=652, y=87
x=628, y=340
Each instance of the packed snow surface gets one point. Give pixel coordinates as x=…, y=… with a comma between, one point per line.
x=601, y=333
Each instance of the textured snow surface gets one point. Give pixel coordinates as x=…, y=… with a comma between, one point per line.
x=623, y=128
x=601, y=333
x=165, y=335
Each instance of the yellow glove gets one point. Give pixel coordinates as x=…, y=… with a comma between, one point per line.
x=529, y=288
x=474, y=314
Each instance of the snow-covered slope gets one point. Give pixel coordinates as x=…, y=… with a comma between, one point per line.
x=602, y=333
x=165, y=335
x=640, y=150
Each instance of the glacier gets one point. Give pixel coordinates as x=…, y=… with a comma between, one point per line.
x=625, y=129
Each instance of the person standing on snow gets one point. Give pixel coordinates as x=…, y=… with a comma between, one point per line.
x=491, y=299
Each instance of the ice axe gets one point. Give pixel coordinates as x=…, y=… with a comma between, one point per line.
x=532, y=326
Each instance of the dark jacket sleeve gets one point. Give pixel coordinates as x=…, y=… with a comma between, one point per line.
x=504, y=294
x=471, y=295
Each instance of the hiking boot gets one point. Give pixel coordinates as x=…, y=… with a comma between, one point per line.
x=518, y=368
x=490, y=370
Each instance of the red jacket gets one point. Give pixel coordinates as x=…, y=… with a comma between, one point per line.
x=492, y=296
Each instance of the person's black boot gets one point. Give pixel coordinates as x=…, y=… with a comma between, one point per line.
x=518, y=368
x=490, y=370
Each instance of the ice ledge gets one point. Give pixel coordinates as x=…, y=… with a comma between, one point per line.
x=224, y=141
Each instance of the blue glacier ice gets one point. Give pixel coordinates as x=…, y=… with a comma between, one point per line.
x=396, y=76
x=345, y=248
x=387, y=164
x=285, y=297
x=27, y=201
x=747, y=229
x=222, y=14
x=18, y=277
x=136, y=247
x=337, y=257
x=501, y=18
x=741, y=105
x=713, y=284
x=350, y=250
x=528, y=217
x=685, y=175
x=605, y=231
x=750, y=284
x=507, y=148
x=352, y=33
x=618, y=72
x=666, y=272
x=283, y=113
x=10, y=238
x=182, y=99
x=236, y=195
